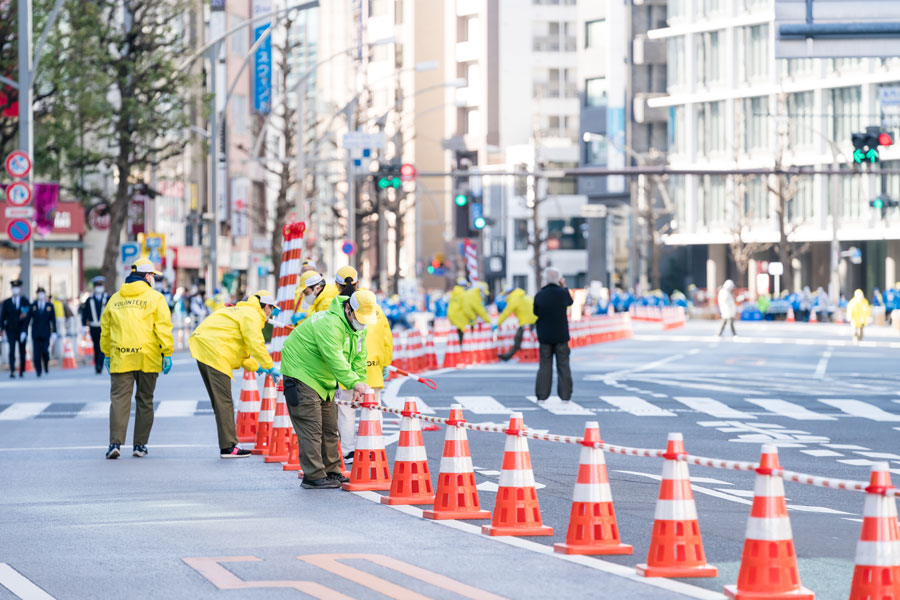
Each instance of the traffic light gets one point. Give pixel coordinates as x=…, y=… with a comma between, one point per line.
x=437, y=266
x=883, y=203
x=390, y=176
x=461, y=199
x=865, y=145
x=477, y=213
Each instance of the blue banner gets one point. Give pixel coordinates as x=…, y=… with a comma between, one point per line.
x=262, y=72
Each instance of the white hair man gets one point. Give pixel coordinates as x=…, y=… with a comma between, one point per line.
x=551, y=306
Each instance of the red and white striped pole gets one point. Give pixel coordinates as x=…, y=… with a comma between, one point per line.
x=471, y=255
x=287, y=281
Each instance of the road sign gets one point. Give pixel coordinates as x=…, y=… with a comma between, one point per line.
x=593, y=211
x=18, y=193
x=18, y=164
x=19, y=231
x=408, y=172
x=19, y=212
x=128, y=253
x=348, y=247
x=889, y=95
x=359, y=140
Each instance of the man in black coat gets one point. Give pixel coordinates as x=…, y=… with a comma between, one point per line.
x=91, y=311
x=42, y=317
x=550, y=307
x=14, y=323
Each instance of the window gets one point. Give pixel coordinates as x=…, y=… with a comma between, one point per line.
x=800, y=208
x=677, y=129
x=595, y=91
x=594, y=33
x=751, y=5
x=239, y=113
x=800, y=119
x=676, y=65
x=710, y=127
x=708, y=58
x=676, y=9
x=239, y=38
x=562, y=186
x=712, y=7
x=570, y=234
x=520, y=281
x=756, y=200
x=520, y=239
x=845, y=107
x=713, y=191
x=798, y=68
x=755, y=63
x=756, y=121
x=595, y=152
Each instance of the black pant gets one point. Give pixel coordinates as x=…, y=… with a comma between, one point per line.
x=725, y=322
x=545, y=372
x=98, y=355
x=13, y=339
x=517, y=343
x=41, y=350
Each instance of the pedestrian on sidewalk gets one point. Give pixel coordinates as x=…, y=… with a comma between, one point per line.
x=858, y=314
x=727, y=307
x=230, y=338
x=42, y=318
x=325, y=350
x=136, y=338
x=14, y=324
x=91, y=313
x=551, y=306
x=521, y=305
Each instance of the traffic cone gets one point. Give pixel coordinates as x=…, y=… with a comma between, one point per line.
x=411, y=481
x=248, y=409
x=676, y=547
x=838, y=316
x=451, y=356
x=516, y=511
x=370, y=470
x=29, y=366
x=293, y=462
x=790, y=316
x=69, y=361
x=280, y=442
x=266, y=418
x=344, y=470
x=456, y=496
x=430, y=355
x=813, y=318
x=592, y=522
x=877, y=571
x=769, y=563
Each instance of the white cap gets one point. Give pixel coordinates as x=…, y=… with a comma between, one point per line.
x=314, y=279
x=268, y=299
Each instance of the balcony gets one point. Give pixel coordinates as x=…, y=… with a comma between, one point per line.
x=643, y=113
x=649, y=52
x=554, y=43
x=544, y=90
x=467, y=51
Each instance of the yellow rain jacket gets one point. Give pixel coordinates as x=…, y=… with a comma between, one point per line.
x=521, y=305
x=858, y=309
x=379, y=349
x=455, y=310
x=473, y=305
x=232, y=337
x=136, y=329
x=320, y=304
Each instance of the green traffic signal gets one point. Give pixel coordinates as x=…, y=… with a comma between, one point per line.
x=479, y=223
x=872, y=155
x=878, y=203
x=461, y=200
x=858, y=156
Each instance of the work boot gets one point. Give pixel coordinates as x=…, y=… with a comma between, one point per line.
x=112, y=451
x=337, y=477
x=319, y=484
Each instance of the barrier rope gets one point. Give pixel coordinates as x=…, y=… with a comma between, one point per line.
x=715, y=463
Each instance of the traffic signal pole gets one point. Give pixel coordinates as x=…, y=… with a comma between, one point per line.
x=26, y=117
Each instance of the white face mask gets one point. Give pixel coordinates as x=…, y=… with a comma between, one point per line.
x=307, y=301
x=98, y=289
x=42, y=296
x=15, y=291
x=356, y=324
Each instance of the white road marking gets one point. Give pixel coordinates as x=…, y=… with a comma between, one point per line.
x=58, y=448
x=816, y=509
x=845, y=446
x=821, y=453
x=637, y=406
x=857, y=462
x=20, y=585
x=23, y=410
x=558, y=407
x=645, y=367
x=176, y=408
x=861, y=409
x=712, y=407
x=823, y=364
x=397, y=403
x=882, y=455
x=789, y=409
x=482, y=405
x=94, y=410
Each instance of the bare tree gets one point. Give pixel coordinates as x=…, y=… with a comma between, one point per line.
x=742, y=251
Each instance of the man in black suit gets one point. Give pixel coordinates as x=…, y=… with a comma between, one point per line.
x=90, y=318
x=14, y=323
x=551, y=306
x=42, y=317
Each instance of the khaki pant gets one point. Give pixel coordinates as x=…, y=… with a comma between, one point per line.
x=218, y=386
x=347, y=421
x=121, y=386
x=315, y=422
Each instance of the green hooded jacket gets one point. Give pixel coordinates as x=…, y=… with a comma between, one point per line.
x=324, y=350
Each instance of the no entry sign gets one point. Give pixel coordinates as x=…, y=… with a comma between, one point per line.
x=18, y=164
x=19, y=231
x=348, y=247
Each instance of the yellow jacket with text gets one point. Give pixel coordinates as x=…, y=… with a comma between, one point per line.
x=136, y=329
x=520, y=304
x=232, y=337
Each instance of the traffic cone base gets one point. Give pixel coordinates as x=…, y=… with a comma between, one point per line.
x=683, y=537
x=597, y=522
x=280, y=442
x=247, y=419
x=372, y=466
x=411, y=480
x=877, y=571
x=266, y=418
x=456, y=490
x=293, y=463
x=781, y=570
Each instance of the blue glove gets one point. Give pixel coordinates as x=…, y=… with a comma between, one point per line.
x=297, y=317
x=494, y=327
x=275, y=373
x=106, y=364
x=385, y=372
x=260, y=371
x=167, y=364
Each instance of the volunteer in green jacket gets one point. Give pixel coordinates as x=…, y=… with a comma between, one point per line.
x=327, y=349
x=521, y=305
x=230, y=338
x=136, y=338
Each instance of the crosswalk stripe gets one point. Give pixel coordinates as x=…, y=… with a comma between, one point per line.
x=712, y=407
x=23, y=410
x=397, y=403
x=789, y=409
x=482, y=405
x=861, y=409
x=637, y=406
x=558, y=407
x=93, y=410
x=176, y=408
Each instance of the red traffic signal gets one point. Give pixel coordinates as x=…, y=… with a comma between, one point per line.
x=407, y=172
x=884, y=139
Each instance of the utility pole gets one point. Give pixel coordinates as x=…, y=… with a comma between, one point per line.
x=26, y=118
x=213, y=232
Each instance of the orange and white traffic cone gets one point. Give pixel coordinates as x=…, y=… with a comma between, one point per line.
x=790, y=315
x=451, y=356
x=813, y=317
x=69, y=361
x=877, y=571
x=370, y=470
x=280, y=442
x=248, y=409
x=266, y=418
x=676, y=547
x=293, y=463
x=592, y=522
x=411, y=481
x=516, y=511
x=29, y=366
x=769, y=563
x=430, y=355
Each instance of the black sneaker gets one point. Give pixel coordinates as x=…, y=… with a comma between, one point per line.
x=234, y=452
x=337, y=477
x=112, y=451
x=319, y=484
x=140, y=451
x=348, y=458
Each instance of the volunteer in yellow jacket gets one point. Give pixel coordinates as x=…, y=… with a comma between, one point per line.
x=456, y=312
x=521, y=305
x=309, y=297
x=858, y=314
x=230, y=338
x=136, y=338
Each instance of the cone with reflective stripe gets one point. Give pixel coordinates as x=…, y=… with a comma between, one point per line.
x=29, y=366
x=790, y=315
x=456, y=496
x=280, y=442
x=248, y=409
x=411, y=481
x=592, y=522
x=676, y=547
x=69, y=361
x=813, y=317
x=516, y=511
x=451, y=357
x=370, y=469
x=293, y=462
x=430, y=356
x=769, y=563
x=877, y=572
x=266, y=418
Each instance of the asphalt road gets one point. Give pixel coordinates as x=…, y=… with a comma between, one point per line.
x=78, y=526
